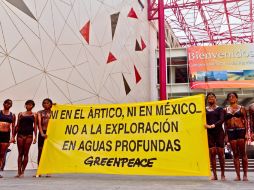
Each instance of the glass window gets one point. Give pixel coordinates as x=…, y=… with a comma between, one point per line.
x=176, y=70
x=181, y=74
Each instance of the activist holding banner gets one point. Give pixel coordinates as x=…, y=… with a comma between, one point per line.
x=237, y=133
x=43, y=119
x=147, y=138
x=216, y=136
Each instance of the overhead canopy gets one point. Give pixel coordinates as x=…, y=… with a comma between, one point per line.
x=207, y=22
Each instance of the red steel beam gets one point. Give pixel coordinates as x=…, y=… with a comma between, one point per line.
x=183, y=24
x=227, y=17
x=251, y=21
x=203, y=16
x=162, y=54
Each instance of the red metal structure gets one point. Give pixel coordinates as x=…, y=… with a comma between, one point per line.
x=207, y=22
x=201, y=23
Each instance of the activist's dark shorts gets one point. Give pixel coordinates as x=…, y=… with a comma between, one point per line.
x=4, y=137
x=216, y=138
x=235, y=134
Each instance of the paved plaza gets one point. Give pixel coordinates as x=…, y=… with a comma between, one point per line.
x=119, y=182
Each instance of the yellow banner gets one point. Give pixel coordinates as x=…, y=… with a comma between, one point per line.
x=152, y=138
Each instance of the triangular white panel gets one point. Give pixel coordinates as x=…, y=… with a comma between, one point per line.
x=112, y=5
x=30, y=59
x=78, y=94
x=102, y=29
x=96, y=55
x=58, y=61
x=20, y=90
x=2, y=44
x=31, y=40
x=79, y=81
x=81, y=14
x=9, y=33
x=70, y=36
x=71, y=51
x=21, y=20
x=95, y=9
x=81, y=57
x=48, y=47
x=63, y=74
x=22, y=71
x=6, y=76
x=73, y=21
x=2, y=57
x=86, y=72
x=106, y=48
x=87, y=100
x=47, y=22
x=57, y=90
x=62, y=86
x=111, y=88
x=40, y=6
x=98, y=72
x=117, y=80
x=60, y=11
x=42, y=90
x=20, y=5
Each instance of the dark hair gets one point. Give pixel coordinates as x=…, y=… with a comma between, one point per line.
x=30, y=102
x=209, y=94
x=7, y=100
x=234, y=93
x=47, y=99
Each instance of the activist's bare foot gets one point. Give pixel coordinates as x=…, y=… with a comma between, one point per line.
x=37, y=176
x=214, y=178
x=19, y=175
x=237, y=179
x=245, y=178
x=223, y=178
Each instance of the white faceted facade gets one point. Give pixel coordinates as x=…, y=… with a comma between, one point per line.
x=74, y=52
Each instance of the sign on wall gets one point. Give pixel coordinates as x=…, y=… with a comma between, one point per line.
x=225, y=66
x=153, y=138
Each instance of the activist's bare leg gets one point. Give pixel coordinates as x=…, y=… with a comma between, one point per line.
x=212, y=152
x=27, y=145
x=233, y=145
x=3, y=149
x=20, y=144
x=222, y=162
x=241, y=145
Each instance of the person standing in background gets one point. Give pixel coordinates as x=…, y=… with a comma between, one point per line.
x=251, y=120
x=26, y=126
x=237, y=133
x=216, y=136
x=7, y=124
